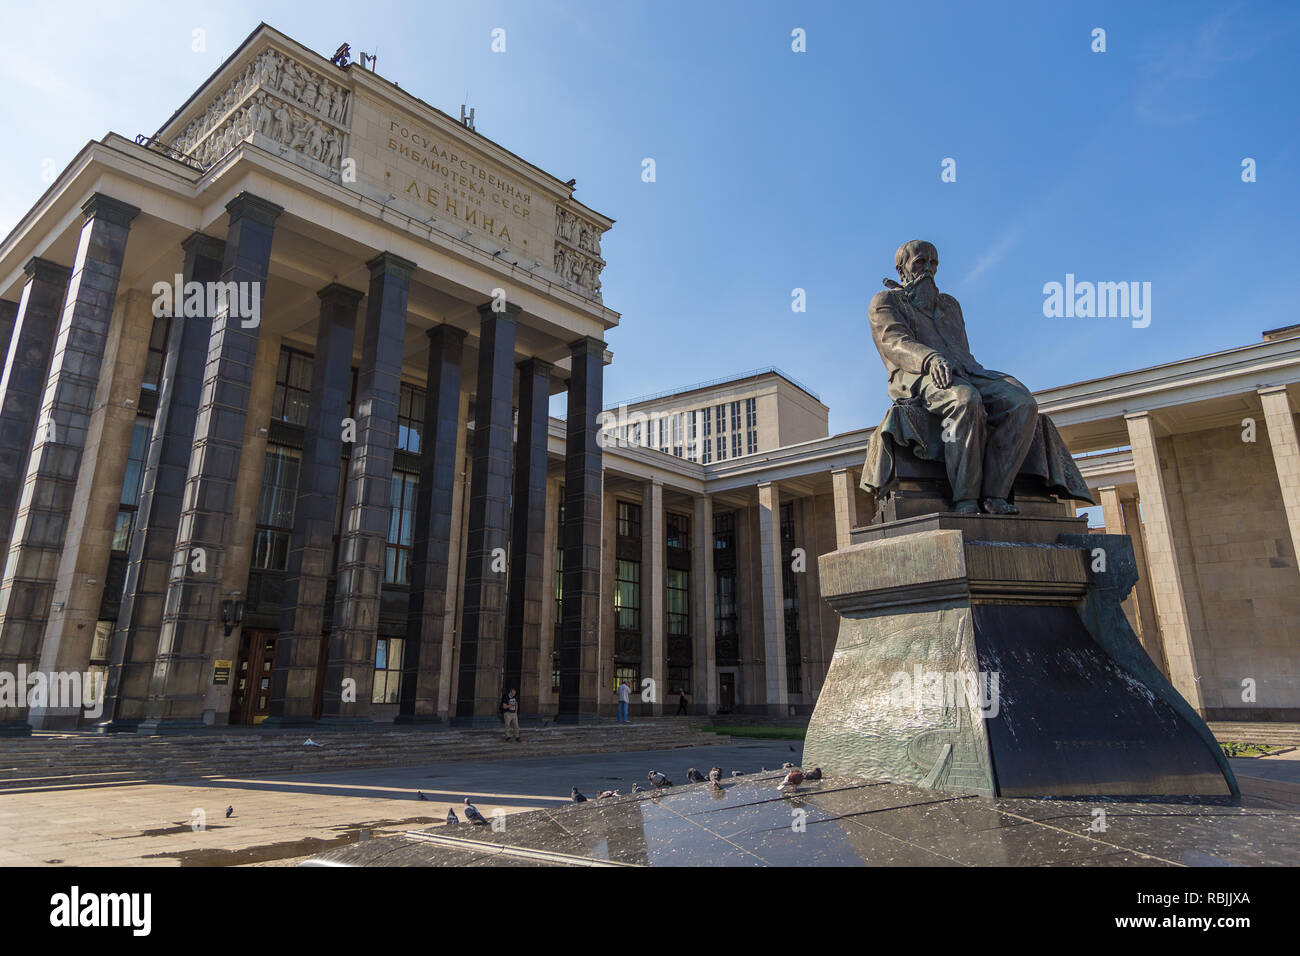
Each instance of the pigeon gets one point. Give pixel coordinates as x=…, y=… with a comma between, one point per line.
x=762, y=770
x=452, y=819
x=736, y=773
x=658, y=779
x=577, y=797
x=792, y=779
x=607, y=794
x=715, y=778
x=814, y=774
x=694, y=776
x=636, y=788
x=791, y=748
x=229, y=811
x=311, y=743
x=787, y=765
x=472, y=814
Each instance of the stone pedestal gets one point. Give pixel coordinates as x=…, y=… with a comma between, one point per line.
x=991, y=655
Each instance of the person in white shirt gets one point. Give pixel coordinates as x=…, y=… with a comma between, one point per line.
x=624, y=695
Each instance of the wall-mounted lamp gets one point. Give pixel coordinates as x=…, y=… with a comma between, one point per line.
x=232, y=612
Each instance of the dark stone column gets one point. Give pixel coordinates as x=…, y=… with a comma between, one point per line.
x=366, y=509
x=153, y=539
x=439, y=471
x=527, y=534
x=311, y=549
x=192, y=634
x=30, y=345
x=8, y=315
x=580, y=613
x=45, y=501
x=482, y=633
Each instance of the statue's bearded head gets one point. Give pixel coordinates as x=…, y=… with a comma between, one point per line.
x=915, y=260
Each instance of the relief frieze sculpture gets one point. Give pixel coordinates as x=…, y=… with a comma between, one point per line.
x=577, y=251
x=279, y=98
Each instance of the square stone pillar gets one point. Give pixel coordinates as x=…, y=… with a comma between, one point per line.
x=704, y=700
x=772, y=557
x=8, y=316
x=1162, y=557
x=547, y=700
x=83, y=565
x=846, y=505
x=311, y=546
x=1149, y=629
x=653, y=561
x=432, y=539
x=528, y=536
x=192, y=634
x=482, y=633
x=447, y=673
x=48, y=491
x=583, y=477
x=350, y=666
x=30, y=344
x=153, y=537
x=1113, y=513
x=1280, y=420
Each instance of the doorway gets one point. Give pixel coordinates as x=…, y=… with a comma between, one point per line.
x=251, y=701
x=726, y=692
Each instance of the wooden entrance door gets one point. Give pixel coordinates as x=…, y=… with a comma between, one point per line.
x=726, y=693
x=251, y=701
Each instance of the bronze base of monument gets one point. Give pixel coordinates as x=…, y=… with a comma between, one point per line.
x=989, y=655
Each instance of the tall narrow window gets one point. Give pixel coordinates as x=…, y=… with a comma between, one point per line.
x=679, y=531
x=129, y=500
x=627, y=596
x=275, y=508
x=735, y=416
x=401, y=528
x=388, y=670
x=735, y=444
x=292, y=397
x=410, y=418
x=678, y=603
x=629, y=520
x=157, y=354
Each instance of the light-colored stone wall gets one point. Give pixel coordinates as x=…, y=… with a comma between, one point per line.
x=1235, y=545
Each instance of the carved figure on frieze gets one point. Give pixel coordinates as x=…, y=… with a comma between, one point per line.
x=332, y=149
x=301, y=132
x=561, y=262
x=270, y=68
x=281, y=130
x=308, y=95
x=340, y=107
x=261, y=115
x=316, y=142
x=324, y=101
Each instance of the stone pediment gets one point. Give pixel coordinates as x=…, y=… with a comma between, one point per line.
x=352, y=127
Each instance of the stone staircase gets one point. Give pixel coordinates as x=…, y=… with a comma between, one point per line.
x=64, y=761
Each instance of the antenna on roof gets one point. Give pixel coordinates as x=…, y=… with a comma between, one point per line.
x=369, y=58
x=466, y=120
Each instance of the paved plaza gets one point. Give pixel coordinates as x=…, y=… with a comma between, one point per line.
x=285, y=818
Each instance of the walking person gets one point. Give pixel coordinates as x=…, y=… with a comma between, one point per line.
x=681, y=701
x=624, y=695
x=510, y=708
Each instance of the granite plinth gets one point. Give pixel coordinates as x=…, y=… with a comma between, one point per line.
x=990, y=655
x=846, y=821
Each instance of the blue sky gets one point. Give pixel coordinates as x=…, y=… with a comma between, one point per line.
x=779, y=170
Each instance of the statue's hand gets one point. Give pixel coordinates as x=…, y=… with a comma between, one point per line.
x=940, y=372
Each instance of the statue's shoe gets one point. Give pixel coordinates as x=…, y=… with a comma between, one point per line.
x=967, y=506
x=1000, y=506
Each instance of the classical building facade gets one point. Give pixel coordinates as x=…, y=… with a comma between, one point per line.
x=275, y=448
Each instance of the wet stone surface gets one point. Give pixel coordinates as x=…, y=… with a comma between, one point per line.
x=841, y=821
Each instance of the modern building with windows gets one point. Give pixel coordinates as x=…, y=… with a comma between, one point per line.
x=331, y=489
